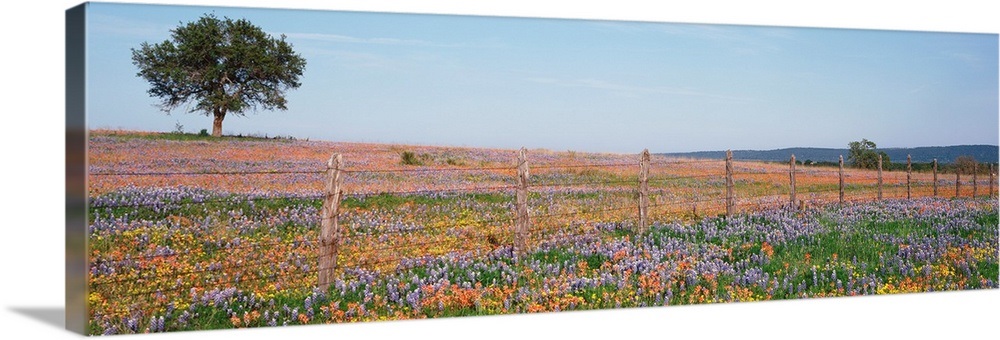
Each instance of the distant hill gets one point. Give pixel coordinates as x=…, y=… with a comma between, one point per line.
x=944, y=154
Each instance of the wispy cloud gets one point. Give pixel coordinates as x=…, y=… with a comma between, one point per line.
x=742, y=39
x=354, y=59
x=123, y=26
x=346, y=39
x=337, y=38
x=739, y=39
x=627, y=27
x=966, y=58
x=634, y=90
x=920, y=88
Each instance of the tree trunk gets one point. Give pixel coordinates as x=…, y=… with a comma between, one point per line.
x=220, y=114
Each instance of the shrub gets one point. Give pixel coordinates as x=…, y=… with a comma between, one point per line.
x=410, y=158
x=203, y=133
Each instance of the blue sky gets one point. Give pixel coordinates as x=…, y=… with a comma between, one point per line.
x=602, y=86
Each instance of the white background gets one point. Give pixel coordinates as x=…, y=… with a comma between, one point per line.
x=32, y=189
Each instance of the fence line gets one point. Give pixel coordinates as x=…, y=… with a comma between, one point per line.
x=198, y=173
x=331, y=235
x=403, y=170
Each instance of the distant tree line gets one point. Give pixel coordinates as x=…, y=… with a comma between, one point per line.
x=983, y=168
x=864, y=155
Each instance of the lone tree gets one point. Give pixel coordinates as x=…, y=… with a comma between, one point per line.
x=864, y=155
x=223, y=66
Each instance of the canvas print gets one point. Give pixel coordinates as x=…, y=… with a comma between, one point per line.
x=242, y=167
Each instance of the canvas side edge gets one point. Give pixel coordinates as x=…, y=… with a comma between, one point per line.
x=76, y=170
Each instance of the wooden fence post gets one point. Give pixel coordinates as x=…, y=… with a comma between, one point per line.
x=879, y=177
x=958, y=182
x=909, y=169
x=329, y=237
x=935, y=178
x=791, y=177
x=521, y=223
x=644, y=191
x=729, y=183
x=975, y=186
x=841, y=179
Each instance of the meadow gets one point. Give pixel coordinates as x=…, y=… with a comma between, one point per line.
x=198, y=233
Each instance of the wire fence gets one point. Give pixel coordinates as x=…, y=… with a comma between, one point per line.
x=554, y=215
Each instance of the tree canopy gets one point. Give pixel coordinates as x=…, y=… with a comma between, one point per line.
x=966, y=164
x=864, y=154
x=222, y=66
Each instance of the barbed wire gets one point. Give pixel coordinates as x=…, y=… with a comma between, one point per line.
x=405, y=170
x=589, y=211
x=400, y=170
x=672, y=203
x=426, y=228
x=429, y=191
x=573, y=227
x=571, y=166
x=227, y=199
x=675, y=178
x=452, y=239
x=699, y=161
x=368, y=264
x=570, y=184
x=197, y=173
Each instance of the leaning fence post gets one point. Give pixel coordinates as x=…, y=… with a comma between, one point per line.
x=935, y=178
x=841, y=179
x=521, y=223
x=329, y=237
x=879, y=177
x=791, y=176
x=729, y=183
x=909, y=169
x=644, y=190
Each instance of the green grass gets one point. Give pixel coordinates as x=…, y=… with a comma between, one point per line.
x=217, y=204
x=560, y=256
x=987, y=269
x=593, y=296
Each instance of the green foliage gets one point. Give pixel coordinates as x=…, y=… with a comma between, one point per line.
x=411, y=158
x=864, y=155
x=204, y=137
x=223, y=66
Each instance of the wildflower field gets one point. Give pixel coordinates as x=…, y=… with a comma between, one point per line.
x=202, y=233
